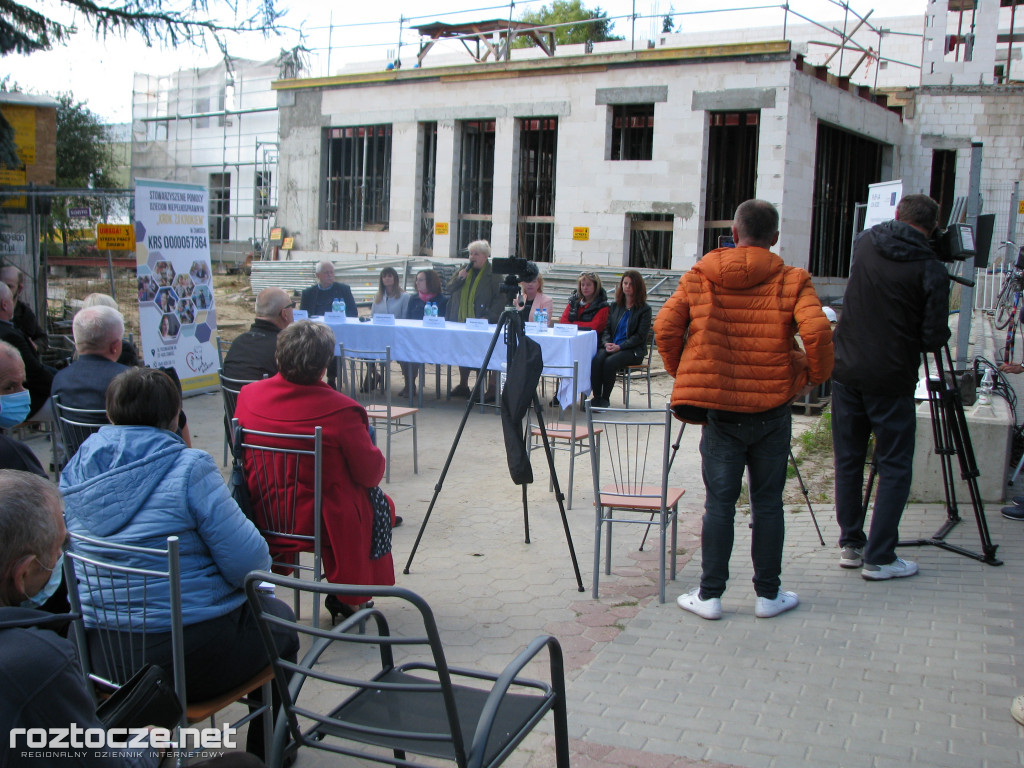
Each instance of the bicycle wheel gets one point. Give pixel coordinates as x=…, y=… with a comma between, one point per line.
x=1009, y=295
x=1011, y=338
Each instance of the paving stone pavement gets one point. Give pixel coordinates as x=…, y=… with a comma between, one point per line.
x=918, y=671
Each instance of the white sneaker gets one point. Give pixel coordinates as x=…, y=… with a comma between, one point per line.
x=851, y=557
x=710, y=609
x=1017, y=709
x=784, y=601
x=897, y=569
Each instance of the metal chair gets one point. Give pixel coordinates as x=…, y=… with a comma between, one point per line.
x=122, y=616
x=413, y=705
x=229, y=389
x=370, y=374
x=639, y=372
x=568, y=436
x=283, y=471
x=222, y=350
x=74, y=425
x=634, y=479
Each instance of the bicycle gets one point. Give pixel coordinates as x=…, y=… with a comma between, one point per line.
x=1009, y=293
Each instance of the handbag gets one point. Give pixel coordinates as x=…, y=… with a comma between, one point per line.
x=237, y=482
x=380, y=540
x=148, y=698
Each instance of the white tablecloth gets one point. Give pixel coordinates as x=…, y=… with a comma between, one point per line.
x=455, y=344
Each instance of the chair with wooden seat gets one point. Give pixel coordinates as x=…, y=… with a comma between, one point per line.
x=122, y=618
x=370, y=384
x=412, y=707
x=632, y=477
x=572, y=436
x=641, y=372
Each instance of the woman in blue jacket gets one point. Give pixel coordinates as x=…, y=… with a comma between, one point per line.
x=134, y=482
x=624, y=340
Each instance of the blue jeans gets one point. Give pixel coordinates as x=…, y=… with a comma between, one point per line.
x=729, y=444
x=893, y=419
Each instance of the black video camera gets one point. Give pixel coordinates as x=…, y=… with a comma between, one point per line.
x=516, y=270
x=955, y=243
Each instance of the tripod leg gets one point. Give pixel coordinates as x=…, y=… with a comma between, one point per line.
x=807, y=495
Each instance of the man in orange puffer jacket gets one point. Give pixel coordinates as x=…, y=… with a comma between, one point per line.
x=727, y=335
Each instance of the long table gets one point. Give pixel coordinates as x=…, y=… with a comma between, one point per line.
x=457, y=344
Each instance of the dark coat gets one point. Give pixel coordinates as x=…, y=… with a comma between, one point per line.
x=83, y=384
x=16, y=455
x=316, y=301
x=414, y=311
x=638, y=328
x=895, y=308
x=38, y=377
x=253, y=355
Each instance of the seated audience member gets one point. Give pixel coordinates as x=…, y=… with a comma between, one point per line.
x=38, y=377
x=588, y=304
x=98, y=333
x=135, y=482
x=24, y=318
x=532, y=297
x=14, y=407
x=253, y=354
x=428, y=289
x=295, y=401
x=624, y=340
x=129, y=354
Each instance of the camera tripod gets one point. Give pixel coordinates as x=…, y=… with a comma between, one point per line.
x=511, y=324
x=951, y=436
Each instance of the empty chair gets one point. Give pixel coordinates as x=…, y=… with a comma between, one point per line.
x=370, y=377
x=632, y=477
x=572, y=436
x=412, y=705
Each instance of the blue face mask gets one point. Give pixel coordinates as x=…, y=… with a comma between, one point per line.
x=48, y=590
x=14, y=408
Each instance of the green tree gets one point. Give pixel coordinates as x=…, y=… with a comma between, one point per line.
x=593, y=25
x=85, y=160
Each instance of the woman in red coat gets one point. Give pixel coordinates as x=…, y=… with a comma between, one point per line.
x=295, y=401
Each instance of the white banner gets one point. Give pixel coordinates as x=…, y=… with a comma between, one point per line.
x=177, y=316
x=882, y=200
x=12, y=243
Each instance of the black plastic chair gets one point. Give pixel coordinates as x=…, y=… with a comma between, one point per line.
x=397, y=712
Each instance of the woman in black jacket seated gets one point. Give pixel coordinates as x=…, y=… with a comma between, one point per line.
x=428, y=289
x=624, y=340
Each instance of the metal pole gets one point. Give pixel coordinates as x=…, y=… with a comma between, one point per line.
x=1011, y=225
x=632, y=28
x=963, y=335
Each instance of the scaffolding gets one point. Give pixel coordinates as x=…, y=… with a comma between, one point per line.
x=216, y=127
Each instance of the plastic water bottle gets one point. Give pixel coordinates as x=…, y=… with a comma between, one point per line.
x=433, y=309
x=985, y=390
x=544, y=316
x=426, y=310
x=536, y=315
x=341, y=306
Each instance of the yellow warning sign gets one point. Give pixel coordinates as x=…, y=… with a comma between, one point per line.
x=115, y=237
x=581, y=233
x=441, y=228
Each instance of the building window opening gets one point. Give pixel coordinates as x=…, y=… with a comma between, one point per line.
x=428, y=183
x=632, y=132
x=220, y=207
x=844, y=166
x=650, y=240
x=535, y=222
x=358, y=183
x=943, y=182
x=732, y=171
x=476, y=181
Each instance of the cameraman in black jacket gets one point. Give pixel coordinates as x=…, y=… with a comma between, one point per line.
x=895, y=308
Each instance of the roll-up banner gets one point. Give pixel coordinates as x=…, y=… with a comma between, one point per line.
x=177, y=316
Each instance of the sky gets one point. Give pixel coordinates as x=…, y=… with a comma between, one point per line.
x=99, y=71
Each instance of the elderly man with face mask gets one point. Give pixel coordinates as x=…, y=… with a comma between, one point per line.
x=14, y=407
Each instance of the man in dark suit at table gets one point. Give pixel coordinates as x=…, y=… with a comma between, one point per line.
x=475, y=292
x=318, y=298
